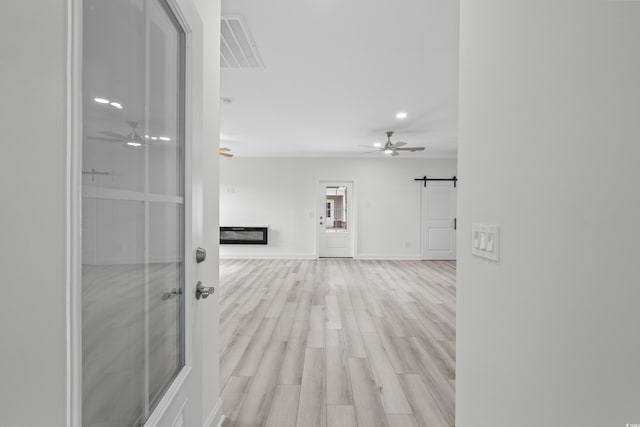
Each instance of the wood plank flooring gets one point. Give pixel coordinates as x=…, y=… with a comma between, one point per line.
x=337, y=343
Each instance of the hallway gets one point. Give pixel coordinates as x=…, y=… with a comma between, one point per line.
x=337, y=342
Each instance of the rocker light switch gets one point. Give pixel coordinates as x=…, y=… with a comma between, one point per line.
x=485, y=241
x=476, y=239
x=490, y=242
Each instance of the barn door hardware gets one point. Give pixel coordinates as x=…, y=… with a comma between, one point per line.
x=425, y=179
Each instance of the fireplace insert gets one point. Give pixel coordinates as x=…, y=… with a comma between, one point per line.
x=243, y=235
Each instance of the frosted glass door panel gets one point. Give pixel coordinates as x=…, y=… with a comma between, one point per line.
x=114, y=68
x=166, y=285
x=113, y=344
x=133, y=209
x=165, y=124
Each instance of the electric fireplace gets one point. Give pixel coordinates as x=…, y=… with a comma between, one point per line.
x=243, y=235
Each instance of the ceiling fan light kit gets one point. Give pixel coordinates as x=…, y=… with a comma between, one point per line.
x=393, y=149
x=135, y=141
x=131, y=140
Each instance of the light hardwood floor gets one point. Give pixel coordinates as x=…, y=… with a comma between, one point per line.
x=337, y=343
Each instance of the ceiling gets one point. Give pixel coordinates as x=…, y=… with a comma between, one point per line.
x=336, y=73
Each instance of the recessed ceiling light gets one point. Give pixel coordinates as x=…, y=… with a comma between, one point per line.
x=101, y=100
x=146, y=136
x=164, y=138
x=377, y=144
x=117, y=105
x=134, y=144
x=155, y=138
x=401, y=115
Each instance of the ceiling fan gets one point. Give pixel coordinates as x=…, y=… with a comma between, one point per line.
x=225, y=152
x=132, y=139
x=393, y=148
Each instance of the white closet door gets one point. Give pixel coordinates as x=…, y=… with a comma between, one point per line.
x=439, y=221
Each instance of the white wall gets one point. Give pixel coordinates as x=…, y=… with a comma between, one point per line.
x=32, y=217
x=282, y=193
x=549, y=149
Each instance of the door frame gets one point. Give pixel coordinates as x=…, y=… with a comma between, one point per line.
x=187, y=15
x=354, y=212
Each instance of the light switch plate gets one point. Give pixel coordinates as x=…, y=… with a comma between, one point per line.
x=489, y=235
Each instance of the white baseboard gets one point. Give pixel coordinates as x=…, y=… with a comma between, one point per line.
x=390, y=257
x=268, y=256
x=313, y=256
x=216, y=417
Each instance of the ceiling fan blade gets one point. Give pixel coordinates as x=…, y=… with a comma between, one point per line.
x=114, y=135
x=411, y=149
x=399, y=144
x=102, y=138
x=225, y=149
x=395, y=153
x=226, y=154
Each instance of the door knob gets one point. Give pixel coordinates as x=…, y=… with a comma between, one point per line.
x=203, y=291
x=201, y=255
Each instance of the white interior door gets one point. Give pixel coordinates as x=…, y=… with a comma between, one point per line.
x=439, y=221
x=335, y=219
x=140, y=321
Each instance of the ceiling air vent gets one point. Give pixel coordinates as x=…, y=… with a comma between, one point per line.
x=237, y=49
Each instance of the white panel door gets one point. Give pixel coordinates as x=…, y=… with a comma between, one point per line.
x=335, y=219
x=141, y=213
x=439, y=221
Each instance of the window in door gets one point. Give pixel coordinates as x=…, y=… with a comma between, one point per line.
x=133, y=209
x=336, y=219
